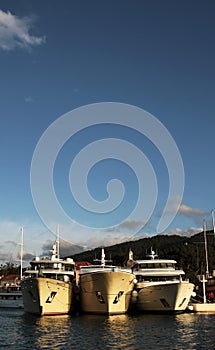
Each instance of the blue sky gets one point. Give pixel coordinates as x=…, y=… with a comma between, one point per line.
x=57, y=56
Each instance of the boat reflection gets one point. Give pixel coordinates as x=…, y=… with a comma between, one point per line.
x=50, y=332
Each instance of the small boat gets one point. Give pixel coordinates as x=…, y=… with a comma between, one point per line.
x=47, y=284
x=207, y=305
x=10, y=289
x=105, y=289
x=160, y=286
x=11, y=296
x=208, y=284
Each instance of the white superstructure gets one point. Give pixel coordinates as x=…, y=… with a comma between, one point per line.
x=160, y=286
x=47, y=284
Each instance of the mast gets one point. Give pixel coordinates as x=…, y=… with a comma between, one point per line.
x=204, y=280
x=206, y=249
x=213, y=224
x=21, y=251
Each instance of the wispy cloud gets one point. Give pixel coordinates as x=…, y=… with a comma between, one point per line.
x=66, y=248
x=9, y=241
x=10, y=236
x=15, y=32
x=187, y=233
x=29, y=99
x=12, y=243
x=192, y=212
x=107, y=240
x=38, y=239
x=128, y=226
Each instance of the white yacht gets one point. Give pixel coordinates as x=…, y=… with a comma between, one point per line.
x=105, y=289
x=160, y=286
x=47, y=284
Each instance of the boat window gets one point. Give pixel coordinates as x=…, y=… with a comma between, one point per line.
x=46, y=266
x=141, y=278
x=143, y=266
x=165, y=303
x=100, y=297
x=163, y=265
x=69, y=268
x=170, y=265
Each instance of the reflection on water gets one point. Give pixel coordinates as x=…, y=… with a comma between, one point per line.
x=51, y=332
x=133, y=332
x=196, y=330
x=185, y=333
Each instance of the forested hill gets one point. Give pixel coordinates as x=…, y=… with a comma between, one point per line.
x=189, y=252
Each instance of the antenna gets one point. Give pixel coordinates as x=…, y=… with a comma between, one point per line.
x=58, y=242
x=103, y=257
x=103, y=260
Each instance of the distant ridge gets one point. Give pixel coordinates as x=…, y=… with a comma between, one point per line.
x=187, y=251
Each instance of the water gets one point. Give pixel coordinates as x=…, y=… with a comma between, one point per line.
x=89, y=332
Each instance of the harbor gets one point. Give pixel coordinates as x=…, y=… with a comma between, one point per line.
x=107, y=175
x=142, y=331
x=52, y=285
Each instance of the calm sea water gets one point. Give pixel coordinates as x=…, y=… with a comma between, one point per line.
x=88, y=332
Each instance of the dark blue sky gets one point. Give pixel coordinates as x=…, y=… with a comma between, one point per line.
x=59, y=55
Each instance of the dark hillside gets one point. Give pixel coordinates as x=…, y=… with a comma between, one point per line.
x=189, y=252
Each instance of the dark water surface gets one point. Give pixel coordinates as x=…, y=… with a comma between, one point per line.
x=89, y=332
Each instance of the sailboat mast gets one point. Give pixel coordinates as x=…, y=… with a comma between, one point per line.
x=213, y=224
x=21, y=252
x=206, y=249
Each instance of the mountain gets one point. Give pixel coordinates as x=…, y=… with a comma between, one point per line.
x=189, y=252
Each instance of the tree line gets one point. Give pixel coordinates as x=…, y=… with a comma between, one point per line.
x=189, y=252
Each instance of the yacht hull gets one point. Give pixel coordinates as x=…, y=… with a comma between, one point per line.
x=106, y=292
x=46, y=296
x=165, y=297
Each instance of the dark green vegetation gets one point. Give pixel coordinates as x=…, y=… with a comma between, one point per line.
x=189, y=252
x=8, y=269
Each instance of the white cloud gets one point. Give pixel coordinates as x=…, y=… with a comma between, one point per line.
x=15, y=32
x=187, y=233
x=191, y=212
x=90, y=237
x=38, y=239
x=127, y=226
x=9, y=242
x=66, y=248
x=194, y=214
x=10, y=237
x=105, y=240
